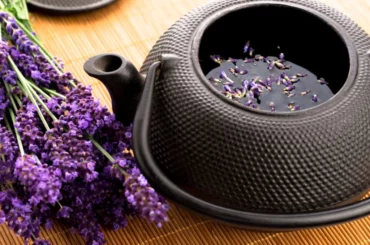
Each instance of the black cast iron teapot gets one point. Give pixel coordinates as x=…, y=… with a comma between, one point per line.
x=243, y=166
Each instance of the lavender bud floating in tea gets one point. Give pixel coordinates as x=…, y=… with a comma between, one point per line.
x=267, y=82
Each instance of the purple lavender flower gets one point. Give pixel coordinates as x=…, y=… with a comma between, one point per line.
x=64, y=212
x=56, y=151
x=280, y=65
x=223, y=75
x=216, y=80
x=289, y=88
x=86, y=198
x=41, y=181
x=301, y=75
x=246, y=60
x=6, y=73
x=20, y=38
x=246, y=47
x=2, y=217
x=71, y=153
x=144, y=199
x=232, y=60
x=315, y=98
x=251, y=95
x=29, y=126
x=245, y=83
x=268, y=82
x=285, y=76
x=256, y=88
x=322, y=81
x=4, y=102
x=295, y=108
x=234, y=71
x=41, y=242
x=216, y=58
x=306, y=92
x=8, y=155
x=227, y=88
x=271, y=65
x=272, y=106
x=260, y=81
x=59, y=62
x=19, y=215
x=81, y=111
x=251, y=51
x=286, y=83
x=278, y=81
x=28, y=67
x=249, y=103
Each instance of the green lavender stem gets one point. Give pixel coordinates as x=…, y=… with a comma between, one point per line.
x=52, y=92
x=101, y=149
x=8, y=124
x=24, y=82
x=35, y=95
x=35, y=87
x=107, y=155
x=17, y=133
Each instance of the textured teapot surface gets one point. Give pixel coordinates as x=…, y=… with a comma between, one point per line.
x=253, y=161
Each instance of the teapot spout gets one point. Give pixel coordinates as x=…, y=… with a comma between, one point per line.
x=122, y=80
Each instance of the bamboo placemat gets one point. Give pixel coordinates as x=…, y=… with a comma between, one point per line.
x=130, y=28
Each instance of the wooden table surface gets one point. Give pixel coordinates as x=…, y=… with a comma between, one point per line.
x=130, y=28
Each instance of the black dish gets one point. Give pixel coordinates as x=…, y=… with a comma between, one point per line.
x=68, y=6
x=247, y=167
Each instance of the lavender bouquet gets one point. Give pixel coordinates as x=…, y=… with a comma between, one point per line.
x=62, y=155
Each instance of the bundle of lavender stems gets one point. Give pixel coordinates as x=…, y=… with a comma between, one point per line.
x=62, y=154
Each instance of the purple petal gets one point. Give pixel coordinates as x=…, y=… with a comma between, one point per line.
x=289, y=88
x=271, y=65
x=251, y=51
x=315, y=98
x=227, y=88
x=301, y=75
x=223, y=74
x=246, y=47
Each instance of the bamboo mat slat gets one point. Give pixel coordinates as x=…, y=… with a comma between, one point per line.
x=130, y=28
